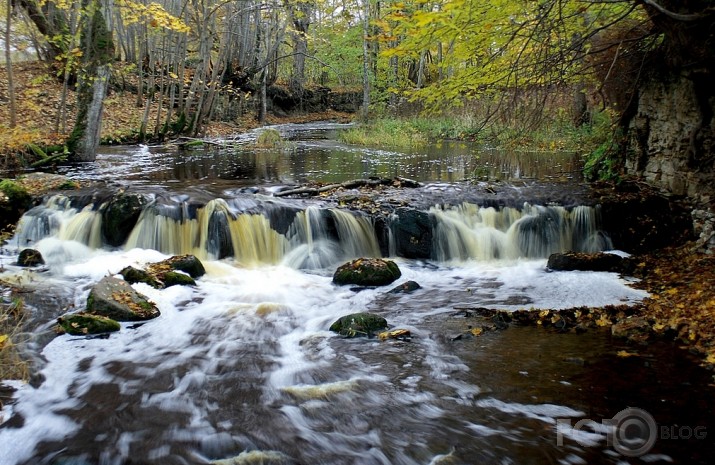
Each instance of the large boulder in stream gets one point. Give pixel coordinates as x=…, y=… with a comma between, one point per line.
x=30, y=257
x=116, y=299
x=600, y=261
x=359, y=324
x=120, y=216
x=412, y=231
x=367, y=272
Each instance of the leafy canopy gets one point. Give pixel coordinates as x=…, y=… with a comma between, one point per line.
x=487, y=46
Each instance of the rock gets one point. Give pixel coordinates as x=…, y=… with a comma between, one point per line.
x=120, y=216
x=636, y=329
x=175, y=278
x=405, y=288
x=116, y=299
x=599, y=261
x=189, y=264
x=133, y=275
x=359, y=324
x=83, y=323
x=30, y=257
x=412, y=230
x=14, y=201
x=367, y=272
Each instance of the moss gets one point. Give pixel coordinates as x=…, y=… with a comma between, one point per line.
x=359, y=324
x=367, y=272
x=82, y=323
x=16, y=194
x=173, y=278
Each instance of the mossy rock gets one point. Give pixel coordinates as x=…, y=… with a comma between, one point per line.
x=359, y=325
x=133, y=275
x=367, y=272
x=30, y=257
x=175, y=278
x=116, y=299
x=79, y=324
x=14, y=201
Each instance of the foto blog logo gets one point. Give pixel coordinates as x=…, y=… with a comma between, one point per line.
x=632, y=432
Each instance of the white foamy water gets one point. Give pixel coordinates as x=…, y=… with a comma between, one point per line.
x=245, y=361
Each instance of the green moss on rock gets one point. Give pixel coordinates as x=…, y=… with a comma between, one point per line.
x=362, y=324
x=82, y=323
x=367, y=272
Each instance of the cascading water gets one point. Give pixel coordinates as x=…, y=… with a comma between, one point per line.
x=470, y=232
x=241, y=368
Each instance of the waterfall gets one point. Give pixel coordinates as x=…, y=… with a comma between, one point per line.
x=316, y=238
x=468, y=231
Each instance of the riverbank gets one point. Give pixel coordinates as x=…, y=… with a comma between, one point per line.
x=45, y=121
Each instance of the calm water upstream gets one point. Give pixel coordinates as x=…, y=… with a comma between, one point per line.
x=241, y=368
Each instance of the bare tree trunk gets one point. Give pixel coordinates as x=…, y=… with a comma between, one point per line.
x=8, y=66
x=365, y=60
x=92, y=88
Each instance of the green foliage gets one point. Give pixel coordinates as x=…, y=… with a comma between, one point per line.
x=270, y=139
x=15, y=193
x=386, y=132
x=488, y=46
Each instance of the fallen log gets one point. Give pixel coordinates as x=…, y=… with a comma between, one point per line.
x=352, y=184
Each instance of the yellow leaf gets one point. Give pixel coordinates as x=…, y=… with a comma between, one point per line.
x=3, y=338
x=476, y=331
x=623, y=353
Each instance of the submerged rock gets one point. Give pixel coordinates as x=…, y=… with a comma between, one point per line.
x=30, y=257
x=116, y=299
x=367, y=272
x=600, y=261
x=359, y=325
x=79, y=324
x=407, y=287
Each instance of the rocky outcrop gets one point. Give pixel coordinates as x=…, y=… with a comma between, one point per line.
x=30, y=257
x=672, y=135
x=116, y=299
x=359, y=325
x=120, y=216
x=367, y=272
x=79, y=324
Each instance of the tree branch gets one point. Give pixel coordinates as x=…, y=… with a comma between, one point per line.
x=678, y=16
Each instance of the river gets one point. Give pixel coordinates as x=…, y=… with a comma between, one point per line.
x=242, y=368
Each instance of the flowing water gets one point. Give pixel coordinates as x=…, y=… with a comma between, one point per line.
x=242, y=368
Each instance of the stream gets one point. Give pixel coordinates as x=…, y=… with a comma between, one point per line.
x=242, y=369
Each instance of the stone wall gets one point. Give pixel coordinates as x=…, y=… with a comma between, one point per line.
x=672, y=137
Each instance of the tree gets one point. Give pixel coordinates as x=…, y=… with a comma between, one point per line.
x=8, y=65
x=98, y=51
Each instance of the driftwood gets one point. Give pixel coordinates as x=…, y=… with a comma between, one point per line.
x=352, y=184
